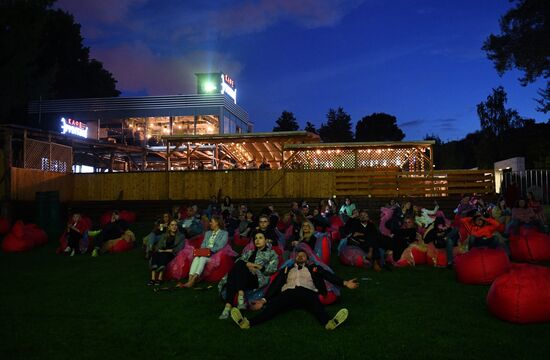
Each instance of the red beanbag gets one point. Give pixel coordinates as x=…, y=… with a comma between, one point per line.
x=4, y=226
x=122, y=246
x=530, y=245
x=35, y=234
x=214, y=273
x=420, y=256
x=329, y=298
x=437, y=258
x=13, y=243
x=522, y=295
x=128, y=216
x=239, y=240
x=353, y=256
x=481, y=266
x=196, y=241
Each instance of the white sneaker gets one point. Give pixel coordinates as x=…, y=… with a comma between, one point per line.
x=225, y=313
x=72, y=253
x=67, y=249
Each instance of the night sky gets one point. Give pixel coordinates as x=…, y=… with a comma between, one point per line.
x=420, y=60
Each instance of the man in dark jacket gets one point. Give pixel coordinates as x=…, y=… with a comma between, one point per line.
x=297, y=286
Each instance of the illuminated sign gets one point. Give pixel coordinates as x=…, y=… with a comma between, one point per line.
x=228, y=87
x=71, y=126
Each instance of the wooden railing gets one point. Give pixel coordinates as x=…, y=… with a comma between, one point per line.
x=250, y=184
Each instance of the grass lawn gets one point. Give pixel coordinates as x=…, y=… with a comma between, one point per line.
x=57, y=307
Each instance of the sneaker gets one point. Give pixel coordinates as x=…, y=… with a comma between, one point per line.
x=95, y=253
x=158, y=283
x=151, y=283
x=337, y=320
x=239, y=319
x=67, y=250
x=72, y=253
x=225, y=314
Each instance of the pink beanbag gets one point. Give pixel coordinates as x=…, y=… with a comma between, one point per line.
x=481, y=266
x=522, y=295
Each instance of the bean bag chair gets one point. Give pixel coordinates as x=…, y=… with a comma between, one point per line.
x=522, y=295
x=436, y=257
x=414, y=254
x=179, y=267
x=279, y=250
x=481, y=266
x=35, y=234
x=239, y=240
x=122, y=244
x=196, y=241
x=336, y=222
x=353, y=256
x=4, y=226
x=530, y=245
x=329, y=298
x=219, y=265
x=15, y=241
x=128, y=216
x=322, y=247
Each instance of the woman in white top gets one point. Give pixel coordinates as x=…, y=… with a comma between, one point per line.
x=215, y=239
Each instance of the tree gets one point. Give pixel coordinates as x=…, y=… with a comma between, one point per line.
x=433, y=137
x=378, y=127
x=43, y=57
x=524, y=44
x=286, y=122
x=310, y=128
x=493, y=115
x=337, y=128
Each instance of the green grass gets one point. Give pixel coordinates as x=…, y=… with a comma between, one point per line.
x=57, y=307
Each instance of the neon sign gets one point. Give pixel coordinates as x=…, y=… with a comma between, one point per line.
x=228, y=87
x=71, y=126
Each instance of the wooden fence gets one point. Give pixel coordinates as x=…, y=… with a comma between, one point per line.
x=250, y=184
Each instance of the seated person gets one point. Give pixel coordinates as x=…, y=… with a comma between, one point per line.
x=442, y=236
x=215, y=239
x=522, y=215
x=297, y=286
x=306, y=236
x=251, y=271
x=537, y=207
x=191, y=226
x=465, y=208
x=346, y=209
x=247, y=223
x=351, y=222
x=502, y=212
x=320, y=220
x=159, y=228
x=484, y=232
x=75, y=230
x=265, y=228
x=405, y=236
x=424, y=217
x=112, y=230
x=164, y=251
x=365, y=235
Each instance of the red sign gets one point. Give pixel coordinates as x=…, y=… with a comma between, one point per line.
x=77, y=124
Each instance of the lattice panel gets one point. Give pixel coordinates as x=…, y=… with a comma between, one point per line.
x=48, y=156
x=322, y=159
x=408, y=159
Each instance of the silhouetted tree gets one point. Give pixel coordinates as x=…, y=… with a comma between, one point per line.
x=433, y=137
x=378, y=127
x=286, y=122
x=493, y=115
x=310, y=127
x=337, y=128
x=524, y=44
x=42, y=56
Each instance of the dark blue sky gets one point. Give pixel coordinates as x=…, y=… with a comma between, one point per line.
x=420, y=60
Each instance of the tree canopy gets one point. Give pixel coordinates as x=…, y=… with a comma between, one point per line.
x=43, y=57
x=286, y=122
x=311, y=128
x=524, y=44
x=493, y=115
x=378, y=127
x=337, y=128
